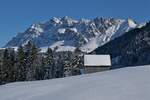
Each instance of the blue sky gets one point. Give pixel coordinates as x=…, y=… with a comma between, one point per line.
x=17, y=15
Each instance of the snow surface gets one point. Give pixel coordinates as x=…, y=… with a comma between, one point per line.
x=60, y=47
x=37, y=30
x=132, y=24
x=62, y=30
x=130, y=83
x=74, y=30
x=56, y=20
x=97, y=60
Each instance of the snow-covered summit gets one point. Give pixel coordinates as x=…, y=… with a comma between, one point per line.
x=56, y=20
x=132, y=23
x=84, y=33
x=36, y=29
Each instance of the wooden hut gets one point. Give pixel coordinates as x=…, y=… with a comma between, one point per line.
x=96, y=63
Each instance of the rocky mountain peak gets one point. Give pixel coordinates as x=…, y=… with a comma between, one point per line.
x=66, y=32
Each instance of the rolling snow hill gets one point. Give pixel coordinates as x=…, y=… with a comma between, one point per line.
x=67, y=33
x=130, y=83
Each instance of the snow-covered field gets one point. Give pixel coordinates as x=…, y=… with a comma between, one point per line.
x=131, y=83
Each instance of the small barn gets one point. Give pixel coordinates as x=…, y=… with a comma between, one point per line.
x=96, y=63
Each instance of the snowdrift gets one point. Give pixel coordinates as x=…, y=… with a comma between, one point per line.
x=130, y=83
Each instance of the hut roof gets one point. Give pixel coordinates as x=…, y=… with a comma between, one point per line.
x=97, y=60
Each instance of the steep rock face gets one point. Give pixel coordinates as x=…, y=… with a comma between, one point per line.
x=130, y=49
x=67, y=34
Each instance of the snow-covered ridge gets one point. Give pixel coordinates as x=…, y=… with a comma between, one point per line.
x=130, y=83
x=84, y=33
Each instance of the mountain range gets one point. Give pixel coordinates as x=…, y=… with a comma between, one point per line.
x=67, y=33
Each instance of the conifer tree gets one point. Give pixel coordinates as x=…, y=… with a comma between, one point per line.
x=5, y=66
x=40, y=70
x=77, y=62
x=49, y=64
x=12, y=66
x=31, y=53
x=7, y=69
x=68, y=67
x=21, y=64
x=0, y=67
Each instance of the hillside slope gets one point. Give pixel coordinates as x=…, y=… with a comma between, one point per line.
x=131, y=49
x=122, y=84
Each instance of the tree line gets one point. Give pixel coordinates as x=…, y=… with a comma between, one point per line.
x=29, y=64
